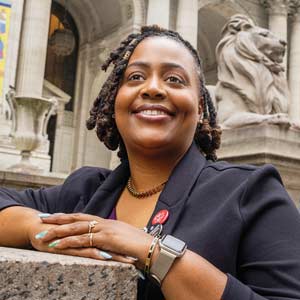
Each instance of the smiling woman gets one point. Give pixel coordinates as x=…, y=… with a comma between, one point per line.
x=211, y=230
x=178, y=71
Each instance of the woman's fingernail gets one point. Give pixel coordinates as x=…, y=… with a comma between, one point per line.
x=105, y=255
x=44, y=215
x=53, y=244
x=41, y=234
x=141, y=275
x=132, y=258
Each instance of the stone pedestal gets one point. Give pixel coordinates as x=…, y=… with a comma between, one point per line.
x=9, y=155
x=262, y=144
x=35, y=275
x=31, y=117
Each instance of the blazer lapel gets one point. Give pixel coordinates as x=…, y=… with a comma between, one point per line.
x=178, y=187
x=107, y=195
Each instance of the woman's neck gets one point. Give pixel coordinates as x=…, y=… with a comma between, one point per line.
x=149, y=171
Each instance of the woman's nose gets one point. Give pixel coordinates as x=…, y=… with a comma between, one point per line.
x=153, y=90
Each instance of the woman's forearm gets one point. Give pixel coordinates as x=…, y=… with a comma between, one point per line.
x=192, y=277
x=15, y=223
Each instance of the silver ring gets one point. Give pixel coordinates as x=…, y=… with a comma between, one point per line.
x=92, y=224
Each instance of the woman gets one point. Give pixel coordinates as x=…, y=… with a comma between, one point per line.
x=241, y=229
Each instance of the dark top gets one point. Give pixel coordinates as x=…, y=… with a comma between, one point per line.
x=239, y=218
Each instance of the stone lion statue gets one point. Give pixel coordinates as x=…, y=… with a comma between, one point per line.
x=251, y=86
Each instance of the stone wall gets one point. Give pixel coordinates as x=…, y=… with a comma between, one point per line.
x=36, y=275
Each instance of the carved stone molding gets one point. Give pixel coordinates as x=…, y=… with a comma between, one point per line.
x=128, y=10
x=294, y=10
x=276, y=7
x=98, y=55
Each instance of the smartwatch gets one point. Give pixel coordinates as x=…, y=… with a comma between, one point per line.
x=169, y=249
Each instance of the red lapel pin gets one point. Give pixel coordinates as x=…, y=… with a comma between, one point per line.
x=161, y=217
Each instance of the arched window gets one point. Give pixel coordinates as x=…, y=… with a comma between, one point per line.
x=61, y=70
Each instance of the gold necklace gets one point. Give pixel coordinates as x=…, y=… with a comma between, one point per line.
x=131, y=189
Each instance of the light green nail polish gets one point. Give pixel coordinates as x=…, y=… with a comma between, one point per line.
x=44, y=215
x=41, y=234
x=105, y=255
x=53, y=244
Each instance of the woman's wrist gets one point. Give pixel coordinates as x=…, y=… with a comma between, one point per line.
x=142, y=253
x=20, y=231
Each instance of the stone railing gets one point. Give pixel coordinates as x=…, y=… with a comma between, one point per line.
x=34, y=275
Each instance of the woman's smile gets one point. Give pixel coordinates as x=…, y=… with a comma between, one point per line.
x=153, y=113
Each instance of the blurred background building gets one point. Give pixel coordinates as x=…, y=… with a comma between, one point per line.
x=54, y=50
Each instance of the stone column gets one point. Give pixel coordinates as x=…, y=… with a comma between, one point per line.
x=159, y=13
x=30, y=110
x=33, y=48
x=10, y=69
x=83, y=89
x=278, y=14
x=187, y=20
x=13, y=45
x=294, y=66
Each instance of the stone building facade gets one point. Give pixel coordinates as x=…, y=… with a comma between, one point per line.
x=32, y=70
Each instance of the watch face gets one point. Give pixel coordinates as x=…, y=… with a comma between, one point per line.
x=174, y=243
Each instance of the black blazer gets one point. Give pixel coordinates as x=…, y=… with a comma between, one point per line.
x=238, y=217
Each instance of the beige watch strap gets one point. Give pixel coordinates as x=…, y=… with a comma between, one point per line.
x=162, y=265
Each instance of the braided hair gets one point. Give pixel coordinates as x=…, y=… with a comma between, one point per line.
x=207, y=135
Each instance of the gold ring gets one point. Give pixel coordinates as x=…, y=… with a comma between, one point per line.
x=92, y=224
x=91, y=239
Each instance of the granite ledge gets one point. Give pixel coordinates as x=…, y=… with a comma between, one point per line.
x=26, y=274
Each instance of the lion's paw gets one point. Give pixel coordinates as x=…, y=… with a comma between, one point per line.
x=280, y=119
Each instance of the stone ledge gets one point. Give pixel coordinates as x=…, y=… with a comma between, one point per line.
x=26, y=274
x=20, y=181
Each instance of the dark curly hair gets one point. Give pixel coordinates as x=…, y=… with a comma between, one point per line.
x=207, y=135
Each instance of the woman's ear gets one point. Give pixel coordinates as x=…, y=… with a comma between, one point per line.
x=200, y=110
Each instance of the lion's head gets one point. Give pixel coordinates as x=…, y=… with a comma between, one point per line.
x=249, y=62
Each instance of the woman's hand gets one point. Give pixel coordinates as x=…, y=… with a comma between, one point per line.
x=38, y=230
x=118, y=239
x=35, y=231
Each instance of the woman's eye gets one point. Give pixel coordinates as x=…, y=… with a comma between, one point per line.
x=135, y=77
x=174, y=79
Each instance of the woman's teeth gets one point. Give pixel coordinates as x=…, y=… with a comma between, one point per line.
x=153, y=112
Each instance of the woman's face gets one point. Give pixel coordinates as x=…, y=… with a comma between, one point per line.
x=157, y=105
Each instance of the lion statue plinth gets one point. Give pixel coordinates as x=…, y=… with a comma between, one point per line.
x=251, y=86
